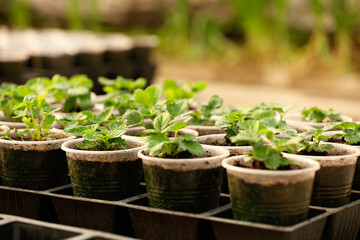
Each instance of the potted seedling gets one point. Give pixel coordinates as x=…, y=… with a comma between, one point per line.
x=121, y=85
x=120, y=92
x=73, y=94
x=203, y=120
x=349, y=134
x=187, y=90
x=147, y=110
x=180, y=174
x=338, y=162
x=135, y=118
x=267, y=187
x=32, y=158
x=316, y=117
x=103, y=164
x=10, y=95
x=237, y=121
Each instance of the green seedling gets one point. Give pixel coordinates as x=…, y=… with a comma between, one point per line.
x=318, y=115
x=203, y=116
x=160, y=145
x=176, y=91
x=121, y=85
x=73, y=93
x=316, y=135
x=351, y=133
x=38, y=117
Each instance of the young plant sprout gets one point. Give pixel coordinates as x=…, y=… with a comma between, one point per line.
x=202, y=117
x=100, y=132
x=318, y=115
x=38, y=117
x=351, y=133
x=160, y=145
x=121, y=85
x=73, y=93
x=176, y=91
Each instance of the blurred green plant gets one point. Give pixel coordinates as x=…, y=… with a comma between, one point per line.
x=20, y=13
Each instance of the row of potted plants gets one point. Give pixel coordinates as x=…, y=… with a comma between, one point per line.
x=273, y=173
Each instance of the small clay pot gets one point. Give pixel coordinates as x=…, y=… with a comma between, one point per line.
x=295, y=119
x=108, y=175
x=356, y=182
x=187, y=185
x=36, y=165
x=280, y=197
x=332, y=186
x=135, y=131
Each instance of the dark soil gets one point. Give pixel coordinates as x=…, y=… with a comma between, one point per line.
x=314, y=153
x=185, y=154
x=260, y=165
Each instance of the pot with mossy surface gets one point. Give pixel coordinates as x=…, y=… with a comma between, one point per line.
x=264, y=185
x=315, y=117
x=185, y=182
x=348, y=135
x=333, y=182
x=279, y=197
x=108, y=175
x=32, y=158
x=180, y=174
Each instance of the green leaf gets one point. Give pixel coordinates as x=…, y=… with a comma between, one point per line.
x=149, y=97
x=178, y=125
x=133, y=118
x=194, y=148
x=155, y=143
x=178, y=108
x=70, y=104
x=24, y=90
x=162, y=121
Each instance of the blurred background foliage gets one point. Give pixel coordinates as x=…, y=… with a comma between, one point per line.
x=296, y=31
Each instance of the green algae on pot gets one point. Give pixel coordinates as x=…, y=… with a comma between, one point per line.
x=36, y=165
x=188, y=185
x=108, y=175
x=356, y=181
x=332, y=186
x=280, y=197
x=221, y=141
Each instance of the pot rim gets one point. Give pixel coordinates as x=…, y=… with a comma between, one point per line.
x=224, y=154
x=355, y=152
x=314, y=166
x=332, y=133
x=55, y=130
x=65, y=147
x=344, y=118
x=220, y=135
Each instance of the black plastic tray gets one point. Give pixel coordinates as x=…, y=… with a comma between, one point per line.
x=18, y=228
x=134, y=218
